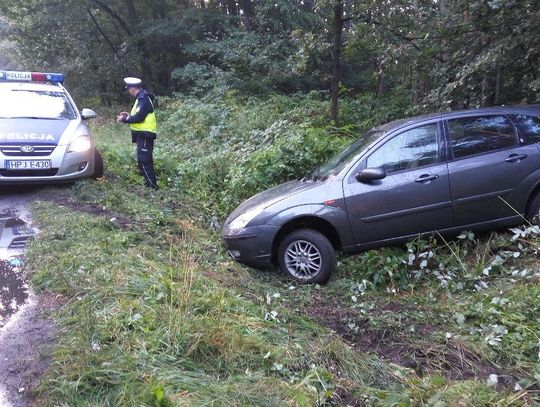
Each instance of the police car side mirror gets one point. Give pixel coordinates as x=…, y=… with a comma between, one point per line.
x=88, y=114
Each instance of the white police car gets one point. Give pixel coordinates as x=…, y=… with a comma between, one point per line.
x=43, y=137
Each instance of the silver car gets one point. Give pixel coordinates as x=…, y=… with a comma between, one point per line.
x=43, y=137
x=446, y=172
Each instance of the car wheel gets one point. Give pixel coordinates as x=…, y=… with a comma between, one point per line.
x=307, y=255
x=98, y=165
x=533, y=213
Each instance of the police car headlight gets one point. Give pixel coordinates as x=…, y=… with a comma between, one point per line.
x=80, y=144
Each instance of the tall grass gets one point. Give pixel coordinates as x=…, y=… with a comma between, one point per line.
x=144, y=324
x=156, y=314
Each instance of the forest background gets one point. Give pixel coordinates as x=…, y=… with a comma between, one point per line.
x=310, y=74
x=252, y=93
x=426, y=54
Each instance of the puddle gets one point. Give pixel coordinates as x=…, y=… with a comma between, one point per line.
x=15, y=233
x=17, y=303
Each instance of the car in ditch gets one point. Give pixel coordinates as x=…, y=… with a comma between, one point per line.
x=43, y=137
x=444, y=172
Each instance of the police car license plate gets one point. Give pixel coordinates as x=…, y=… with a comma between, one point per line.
x=28, y=164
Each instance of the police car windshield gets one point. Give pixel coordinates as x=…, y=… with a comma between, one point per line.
x=35, y=104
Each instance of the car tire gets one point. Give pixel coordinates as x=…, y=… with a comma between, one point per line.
x=98, y=165
x=307, y=256
x=533, y=212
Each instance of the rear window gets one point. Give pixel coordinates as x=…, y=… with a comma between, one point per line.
x=478, y=135
x=40, y=104
x=529, y=127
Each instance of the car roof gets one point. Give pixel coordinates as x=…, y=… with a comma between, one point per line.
x=533, y=109
x=35, y=86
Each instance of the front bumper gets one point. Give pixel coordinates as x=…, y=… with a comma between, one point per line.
x=65, y=167
x=251, y=245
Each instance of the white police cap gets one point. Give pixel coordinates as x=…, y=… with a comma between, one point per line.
x=132, y=82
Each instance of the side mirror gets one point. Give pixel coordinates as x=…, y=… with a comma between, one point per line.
x=88, y=114
x=370, y=175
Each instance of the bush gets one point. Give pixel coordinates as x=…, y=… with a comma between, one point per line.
x=223, y=148
x=229, y=148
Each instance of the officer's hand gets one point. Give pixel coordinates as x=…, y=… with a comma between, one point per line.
x=121, y=116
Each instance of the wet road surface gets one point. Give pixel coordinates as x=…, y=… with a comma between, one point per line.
x=15, y=232
x=23, y=332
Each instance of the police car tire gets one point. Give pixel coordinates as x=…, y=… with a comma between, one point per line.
x=98, y=165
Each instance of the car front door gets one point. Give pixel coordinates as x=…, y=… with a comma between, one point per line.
x=489, y=163
x=414, y=197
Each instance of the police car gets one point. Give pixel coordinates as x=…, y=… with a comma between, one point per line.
x=43, y=137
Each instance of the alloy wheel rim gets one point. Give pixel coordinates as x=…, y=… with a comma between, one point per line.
x=303, y=260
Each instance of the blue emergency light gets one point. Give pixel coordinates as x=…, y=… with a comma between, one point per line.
x=31, y=76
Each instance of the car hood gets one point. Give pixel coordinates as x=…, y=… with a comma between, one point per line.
x=274, y=195
x=31, y=131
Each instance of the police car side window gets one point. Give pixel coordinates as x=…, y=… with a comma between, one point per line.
x=529, y=127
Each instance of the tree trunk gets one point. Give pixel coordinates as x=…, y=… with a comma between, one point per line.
x=248, y=13
x=232, y=8
x=133, y=18
x=308, y=5
x=414, y=83
x=498, y=82
x=380, y=78
x=484, y=93
x=131, y=12
x=414, y=69
x=337, y=32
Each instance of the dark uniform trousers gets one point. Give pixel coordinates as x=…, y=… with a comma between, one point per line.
x=145, y=160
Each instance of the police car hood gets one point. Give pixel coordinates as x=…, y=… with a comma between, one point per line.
x=32, y=131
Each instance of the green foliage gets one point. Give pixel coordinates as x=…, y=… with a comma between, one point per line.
x=506, y=323
x=156, y=314
x=146, y=323
x=465, y=263
x=435, y=55
x=229, y=148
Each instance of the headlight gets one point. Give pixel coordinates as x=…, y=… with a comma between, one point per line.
x=81, y=143
x=241, y=221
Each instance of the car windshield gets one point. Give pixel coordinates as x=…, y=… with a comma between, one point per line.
x=334, y=166
x=35, y=104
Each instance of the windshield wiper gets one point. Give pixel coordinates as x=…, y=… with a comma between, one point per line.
x=311, y=175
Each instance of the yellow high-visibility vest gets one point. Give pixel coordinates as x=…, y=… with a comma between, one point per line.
x=149, y=123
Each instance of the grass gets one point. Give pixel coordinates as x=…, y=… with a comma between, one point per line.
x=156, y=314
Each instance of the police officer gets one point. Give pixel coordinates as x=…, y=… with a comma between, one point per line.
x=142, y=122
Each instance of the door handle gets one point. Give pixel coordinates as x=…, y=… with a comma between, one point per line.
x=514, y=158
x=426, y=178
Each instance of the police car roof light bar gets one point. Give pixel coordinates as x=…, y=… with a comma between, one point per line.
x=31, y=76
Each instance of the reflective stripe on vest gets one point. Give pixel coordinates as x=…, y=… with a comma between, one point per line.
x=149, y=123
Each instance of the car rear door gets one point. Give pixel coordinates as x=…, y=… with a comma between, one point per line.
x=414, y=197
x=488, y=165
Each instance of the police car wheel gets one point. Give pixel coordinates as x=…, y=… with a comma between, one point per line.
x=98, y=165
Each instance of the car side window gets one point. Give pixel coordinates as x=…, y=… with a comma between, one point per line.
x=477, y=135
x=529, y=127
x=411, y=149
